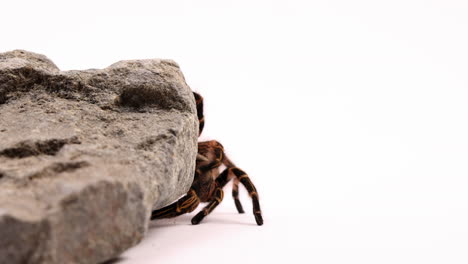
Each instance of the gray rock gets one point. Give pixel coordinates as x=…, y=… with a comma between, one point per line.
x=86, y=155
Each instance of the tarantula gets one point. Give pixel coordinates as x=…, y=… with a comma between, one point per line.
x=208, y=183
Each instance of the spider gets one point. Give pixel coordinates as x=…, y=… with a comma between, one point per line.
x=208, y=183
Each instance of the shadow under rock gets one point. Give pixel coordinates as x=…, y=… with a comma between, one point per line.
x=219, y=218
x=113, y=261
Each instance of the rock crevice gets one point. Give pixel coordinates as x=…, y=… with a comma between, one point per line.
x=28, y=148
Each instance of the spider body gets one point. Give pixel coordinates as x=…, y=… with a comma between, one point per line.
x=205, y=182
x=208, y=183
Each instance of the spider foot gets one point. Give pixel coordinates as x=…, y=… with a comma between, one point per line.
x=198, y=218
x=258, y=218
x=218, y=197
x=239, y=206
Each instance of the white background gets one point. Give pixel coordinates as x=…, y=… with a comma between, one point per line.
x=349, y=116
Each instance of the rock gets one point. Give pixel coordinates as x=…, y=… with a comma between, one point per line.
x=86, y=155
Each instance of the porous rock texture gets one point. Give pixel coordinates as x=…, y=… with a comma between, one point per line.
x=86, y=155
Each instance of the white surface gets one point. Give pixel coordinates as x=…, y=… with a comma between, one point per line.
x=350, y=117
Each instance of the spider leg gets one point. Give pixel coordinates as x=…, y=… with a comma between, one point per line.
x=240, y=176
x=217, y=161
x=186, y=204
x=235, y=195
x=221, y=181
x=245, y=180
x=201, y=118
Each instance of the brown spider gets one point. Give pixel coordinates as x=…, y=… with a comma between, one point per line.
x=208, y=183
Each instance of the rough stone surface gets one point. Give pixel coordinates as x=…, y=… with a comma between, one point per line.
x=86, y=155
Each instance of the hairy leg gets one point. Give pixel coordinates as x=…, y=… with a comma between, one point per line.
x=221, y=181
x=217, y=151
x=245, y=180
x=201, y=118
x=235, y=195
x=184, y=205
x=242, y=177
